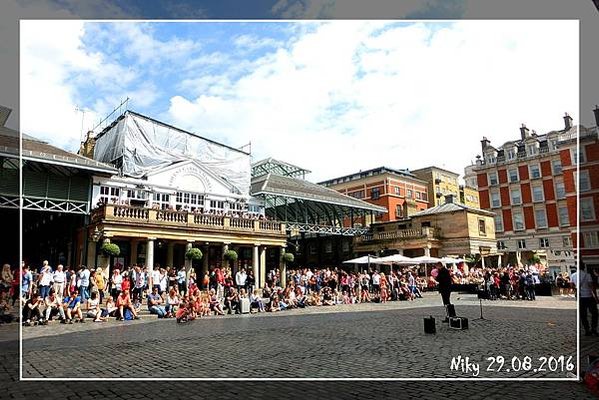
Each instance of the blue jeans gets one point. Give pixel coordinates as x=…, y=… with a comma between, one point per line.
x=44, y=291
x=84, y=293
x=158, y=310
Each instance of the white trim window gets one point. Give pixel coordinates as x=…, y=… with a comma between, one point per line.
x=578, y=156
x=493, y=178
x=516, y=196
x=495, y=199
x=162, y=200
x=564, y=217
x=556, y=165
x=567, y=241
x=537, y=194
x=521, y=243
x=544, y=243
x=587, y=209
x=531, y=149
x=518, y=220
x=109, y=194
x=535, y=171
x=511, y=154
x=590, y=239
x=541, y=218
x=498, y=223
x=501, y=245
x=584, y=181
x=560, y=190
x=513, y=175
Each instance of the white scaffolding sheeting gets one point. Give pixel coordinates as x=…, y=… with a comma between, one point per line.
x=140, y=145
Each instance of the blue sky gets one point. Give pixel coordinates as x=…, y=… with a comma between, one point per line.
x=333, y=97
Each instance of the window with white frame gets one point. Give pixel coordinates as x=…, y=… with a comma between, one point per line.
x=544, y=243
x=541, y=218
x=109, y=194
x=491, y=158
x=564, y=218
x=521, y=244
x=513, y=174
x=578, y=156
x=553, y=144
x=535, y=171
x=511, y=154
x=493, y=178
x=218, y=205
x=531, y=149
x=587, y=209
x=397, y=191
x=518, y=220
x=560, y=190
x=501, y=245
x=584, y=181
x=557, y=167
x=537, y=193
x=495, y=199
x=591, y=239
x=189, y=201
x=482, y=227
x=516, y=196
x=161, y=199
x=409, y=194
x=498, y=223
x=567, y=241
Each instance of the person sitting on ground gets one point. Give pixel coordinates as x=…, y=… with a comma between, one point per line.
x=93, y=308
x=72, y=306
x=274, y=303
x=232, y=301
x=256, y=302
x=327, y=297
x=300, y=297
x=215, y=305
x=183, y=313
x=172, y=303
x=5, y=309
x=123, y=302
x=155, y=303
x=53, y=307
x=111, y=309
x=198, y=303
x=31, y=310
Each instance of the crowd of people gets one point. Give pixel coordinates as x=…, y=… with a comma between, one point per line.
x=86, y=293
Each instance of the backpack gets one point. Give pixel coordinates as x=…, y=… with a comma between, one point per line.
x=128, y=315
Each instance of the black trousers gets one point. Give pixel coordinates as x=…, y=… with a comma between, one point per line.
x=445, y=294
x=588, y=304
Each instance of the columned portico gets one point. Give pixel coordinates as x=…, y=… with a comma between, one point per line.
x=134, y=245
x=205, y=259
x=427, y=251
x=91, y=254
x=170, y=250
x=283, y=268
x=188, y=263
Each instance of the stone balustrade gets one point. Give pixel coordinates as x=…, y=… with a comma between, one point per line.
x=412, y=233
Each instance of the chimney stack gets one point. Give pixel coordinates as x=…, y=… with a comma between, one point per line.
x=523, y=132
x=449, y=198
x=596, y=111
x=484, y=143
x=567, y=122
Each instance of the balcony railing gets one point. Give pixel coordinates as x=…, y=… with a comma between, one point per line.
x=140, y=215
x=403, y=234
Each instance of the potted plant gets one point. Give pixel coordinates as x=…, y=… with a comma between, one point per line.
x=288, y=257
x=230, y=255
x=111, y=249
x=194, y=254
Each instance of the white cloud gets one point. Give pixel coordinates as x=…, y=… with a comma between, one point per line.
x=253, y=42
x=348, y=96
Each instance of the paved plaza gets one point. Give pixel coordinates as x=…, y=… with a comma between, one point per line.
x=375, y=340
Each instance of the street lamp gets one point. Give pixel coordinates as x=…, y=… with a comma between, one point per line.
x=96, y=235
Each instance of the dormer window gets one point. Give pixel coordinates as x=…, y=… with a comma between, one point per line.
x=511, y=153
x=531, y=149
x=491, y=158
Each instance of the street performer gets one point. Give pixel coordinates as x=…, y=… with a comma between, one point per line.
x=444, y=280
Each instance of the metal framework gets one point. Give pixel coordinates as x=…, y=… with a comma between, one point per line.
x=7, y=201
x=276, y=167
x=55, y=205
x=302, y=227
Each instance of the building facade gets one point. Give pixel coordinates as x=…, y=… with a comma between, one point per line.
x=524, y=183
x=398, y=191
x=440, y=183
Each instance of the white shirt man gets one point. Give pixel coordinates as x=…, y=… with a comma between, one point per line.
x=376, y=278
x=59, y=278
x=240, y=278
x=155, y=277
x=587, y=301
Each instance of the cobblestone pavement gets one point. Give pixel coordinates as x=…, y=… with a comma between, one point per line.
x=225, y=344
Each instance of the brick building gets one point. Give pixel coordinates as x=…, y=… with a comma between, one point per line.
x=399, y=191
x=524, y=183
x=586, y=184
x=442, y=182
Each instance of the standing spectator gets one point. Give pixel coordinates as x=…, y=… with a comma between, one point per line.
x=6, y=279
x=163, y=281
x=250, y=281
x=155, y=303
x=26, y=280
x=116, y=282
x=376, y=281
x=241, y=279
x=45, y=280
x=588, y=299
x=84, y=283
x=100, y=283
x=444, y=279
x=59, y=278
x=72, y=277
x=155, y=279
x=181, y=281
x=138, y=278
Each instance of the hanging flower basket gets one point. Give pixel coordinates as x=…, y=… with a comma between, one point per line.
x=230, y=255
x=111, y=249
x=194, y=254
x=288, y=257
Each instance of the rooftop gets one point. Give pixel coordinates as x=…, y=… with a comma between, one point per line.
x=371, y=172
x=272, y=166
x=451, y=207
x=432, y=167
